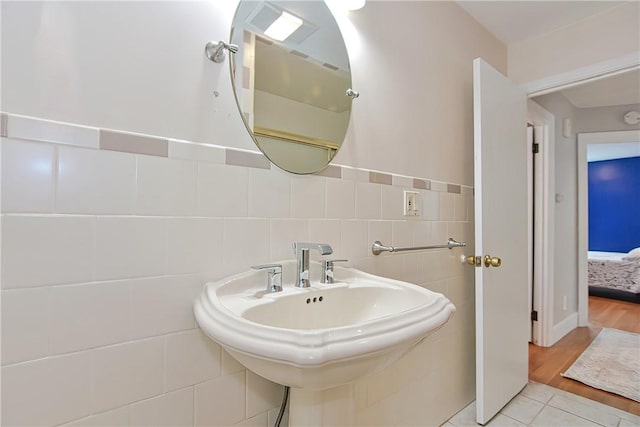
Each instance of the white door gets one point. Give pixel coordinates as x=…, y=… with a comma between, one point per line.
x=501, y=209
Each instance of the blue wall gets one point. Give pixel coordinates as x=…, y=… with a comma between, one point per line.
x=614, y=205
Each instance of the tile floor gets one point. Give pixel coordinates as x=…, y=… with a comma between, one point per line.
x=541, y=405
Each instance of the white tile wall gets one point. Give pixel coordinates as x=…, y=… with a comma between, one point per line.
x=190, y=358
x=28, y=171
x=171, y=409
x=223, y=191
x=308, y=196
x=104, y=253
x=25, y=324
x=86, y=183
x=89, y=315
x=221, y=402
x=47, y=250
x=126, y=373
x=166, y=186
x=47, y=391
x=130, y=247
x=269, y=193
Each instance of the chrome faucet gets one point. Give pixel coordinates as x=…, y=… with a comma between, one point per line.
x=301, y=251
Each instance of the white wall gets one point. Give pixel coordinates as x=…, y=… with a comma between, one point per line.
x=121, y=242
x=605, y=36
x=602, y=119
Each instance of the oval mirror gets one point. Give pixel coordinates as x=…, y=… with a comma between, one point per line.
x=291, y=88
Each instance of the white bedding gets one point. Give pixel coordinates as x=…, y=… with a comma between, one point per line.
x=609, y=270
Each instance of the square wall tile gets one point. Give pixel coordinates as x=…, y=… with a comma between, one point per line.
x=190, y=358
x=282, y=234
x=79, y=311
x=166, y=186
x=262, y=394
x=171, y=409
x=340, y=199
x=162, y=305
x=368, y=200
x=126, y=373
x=402, y=233
x=194, y=245
x=27, y=176
x=447, y=212
x=130, y=247
x=95, y=181
x=393, y=203
x=460, y=207
x=221, y=402
x=246, y=243
x=379, y=231
x=25, y=323
x=269, y=193
x=48, y=391
x=430, y=205
x=308, y=194
x=326, y=231
x=47, y=250
x=354, y=240
x=223, y=191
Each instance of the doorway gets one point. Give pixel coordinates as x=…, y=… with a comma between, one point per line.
x=558, y=310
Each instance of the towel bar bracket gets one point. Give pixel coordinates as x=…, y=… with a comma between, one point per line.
x=377, y=248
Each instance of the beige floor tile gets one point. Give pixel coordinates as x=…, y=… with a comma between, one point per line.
x=627, y=423
x=466, y=417
x=504, y=421
x=522, y=409
x=585, y=408
x=540, y=392
x=554, y=417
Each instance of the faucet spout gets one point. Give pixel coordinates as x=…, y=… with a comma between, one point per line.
x=301, y=251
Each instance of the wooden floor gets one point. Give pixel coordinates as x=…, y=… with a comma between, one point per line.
x=547, y=363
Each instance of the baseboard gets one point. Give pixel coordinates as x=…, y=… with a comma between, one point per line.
x=564, y=327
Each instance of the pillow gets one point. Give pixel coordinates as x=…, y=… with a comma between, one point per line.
x=633, y=254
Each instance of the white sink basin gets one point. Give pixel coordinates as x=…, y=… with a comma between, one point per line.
x=322, y=336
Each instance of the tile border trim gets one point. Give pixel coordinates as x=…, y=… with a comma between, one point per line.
x=40, y=130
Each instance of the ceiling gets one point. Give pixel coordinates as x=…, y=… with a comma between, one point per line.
x=623, y=89
x=514, y=21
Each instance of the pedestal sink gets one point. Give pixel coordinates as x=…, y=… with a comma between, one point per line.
x=323, y=336
x=318, y=340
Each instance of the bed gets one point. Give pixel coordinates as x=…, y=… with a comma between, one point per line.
x=614, y=275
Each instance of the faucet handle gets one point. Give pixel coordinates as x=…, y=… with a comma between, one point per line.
x=274, y=283
x=327, y=269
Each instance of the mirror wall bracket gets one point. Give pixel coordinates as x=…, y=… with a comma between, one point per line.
x=352, y=93
x=215, y=51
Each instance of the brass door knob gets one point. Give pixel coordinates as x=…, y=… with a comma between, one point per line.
x=474, y=260
x=492, y=261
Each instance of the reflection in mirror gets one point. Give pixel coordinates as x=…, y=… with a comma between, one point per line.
x=292, y=93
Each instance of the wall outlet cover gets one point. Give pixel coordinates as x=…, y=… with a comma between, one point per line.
x=412, y=203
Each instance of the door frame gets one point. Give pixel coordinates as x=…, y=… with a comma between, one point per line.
x=584, y=139
x=544, y=265
x=543, y=221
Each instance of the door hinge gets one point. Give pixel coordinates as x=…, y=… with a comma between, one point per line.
x=535, y=148
x=534, y=316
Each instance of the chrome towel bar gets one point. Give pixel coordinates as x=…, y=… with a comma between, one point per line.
x=378, y=247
